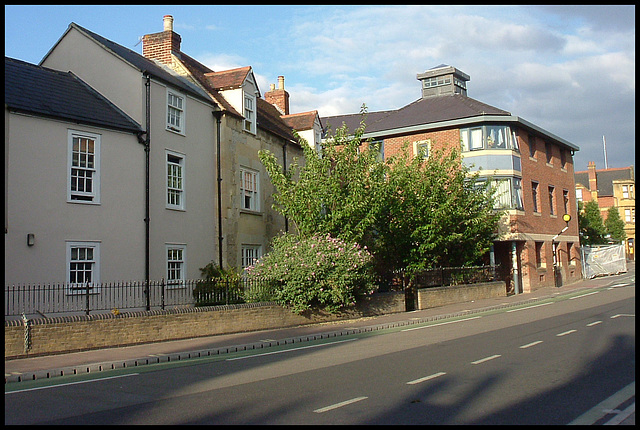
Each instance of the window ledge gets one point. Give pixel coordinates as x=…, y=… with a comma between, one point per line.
x=250, y=212
x=533, y=158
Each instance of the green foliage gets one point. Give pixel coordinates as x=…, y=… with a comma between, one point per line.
x=592, y=230
x=316, y=272
x=614, y=225
x=409, y=212
x=217, y=287
x=437, y=213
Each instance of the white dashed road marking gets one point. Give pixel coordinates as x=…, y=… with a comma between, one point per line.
x=339, y=405
x=426, y=378
x=529, y=345
x=482, y=360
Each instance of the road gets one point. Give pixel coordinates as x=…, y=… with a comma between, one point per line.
x=570, y=359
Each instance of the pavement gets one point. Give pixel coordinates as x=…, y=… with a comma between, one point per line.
x=31, y=368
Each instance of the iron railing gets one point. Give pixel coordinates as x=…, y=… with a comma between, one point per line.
x=59, y=298
x=448, y=276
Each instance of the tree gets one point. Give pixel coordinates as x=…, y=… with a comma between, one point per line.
x=614, y=225
x=592, y=230
x=409, y=212
x=437, y=213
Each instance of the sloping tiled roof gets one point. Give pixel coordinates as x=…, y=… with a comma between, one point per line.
x=605, y=178
x=268, y=118
x=301, y=121
x=62, y=95
x=198, y=71
x=143, y=64
x=421, y=112
x=228, y=79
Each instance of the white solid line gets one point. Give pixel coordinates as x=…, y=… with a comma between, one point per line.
x=566, y=333
x=434, y=325
x=288, y=350
x=71, y=383
x=339, y=405
x=622, y=315
x=530, y=307
x=595, y=413
x=485, y=359
x=530, y=344
x=584, y=295
x=622, y=415
x=594, y=323
x=426, y=378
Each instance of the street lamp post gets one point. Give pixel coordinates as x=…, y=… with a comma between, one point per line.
x=554, y=245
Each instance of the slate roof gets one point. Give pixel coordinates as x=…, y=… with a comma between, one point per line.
x=141, y=63
x=51, y=93
x=605, y=178
x=422, y=111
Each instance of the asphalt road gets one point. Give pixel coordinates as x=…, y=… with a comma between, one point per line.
x=563, y=360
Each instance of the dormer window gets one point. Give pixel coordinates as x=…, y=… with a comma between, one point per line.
x=249, y=113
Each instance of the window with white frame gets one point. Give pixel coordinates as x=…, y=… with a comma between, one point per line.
x=377, y=146
x=83, y=167
x=507, y=193
x=627, y=191
x=579, y=194
x=630, y=215
x=488, y=137
x=249, y=189
x=422, y=148
x=175, y=111
x=83, y=266
x=176, y=264
x=175, y=180
x=250, y=254
x=249, y=113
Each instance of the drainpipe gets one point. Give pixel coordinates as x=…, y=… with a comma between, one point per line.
x=218, y=115
x=146, y=217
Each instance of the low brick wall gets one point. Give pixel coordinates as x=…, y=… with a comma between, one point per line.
x=58, y=335
x=440, y=296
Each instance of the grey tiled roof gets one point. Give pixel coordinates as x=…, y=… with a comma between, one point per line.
x=421, y=112
x=605, y=178
x=143, y=64
x=62, y=95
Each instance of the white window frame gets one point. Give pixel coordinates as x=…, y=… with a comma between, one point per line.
x=250, y=115
x=175, y=189
x=249, y=198
x=175, y=260
x=91, y=169
x=422, y=148
x=73, y=286
x=249, y=255
x=176, y=111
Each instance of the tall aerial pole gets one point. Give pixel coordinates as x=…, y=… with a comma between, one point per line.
x=604, y=144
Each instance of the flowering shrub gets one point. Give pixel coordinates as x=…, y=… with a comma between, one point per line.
x=319, y=272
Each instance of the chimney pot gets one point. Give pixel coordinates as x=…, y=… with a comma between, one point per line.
x=168, y=23
x=281, y=82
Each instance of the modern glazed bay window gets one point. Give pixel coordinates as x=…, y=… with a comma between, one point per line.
x=249, y=190
x=507, y=193
x=488, y=137
x=84, y=168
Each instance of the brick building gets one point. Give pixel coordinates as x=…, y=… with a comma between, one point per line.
x=613, y=187
x=532, y=169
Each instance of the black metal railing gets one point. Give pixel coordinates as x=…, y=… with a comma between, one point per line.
x=60, y=298
x=448, y=276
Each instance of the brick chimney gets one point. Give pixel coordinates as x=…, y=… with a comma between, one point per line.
x=158, y=46
x=593, y=180
x=278, y=97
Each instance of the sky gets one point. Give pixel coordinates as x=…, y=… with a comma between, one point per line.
x=567, y=69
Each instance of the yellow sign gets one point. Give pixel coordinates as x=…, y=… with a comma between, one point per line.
x=566, y=217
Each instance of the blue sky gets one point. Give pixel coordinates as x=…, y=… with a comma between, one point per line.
x=567, y=69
